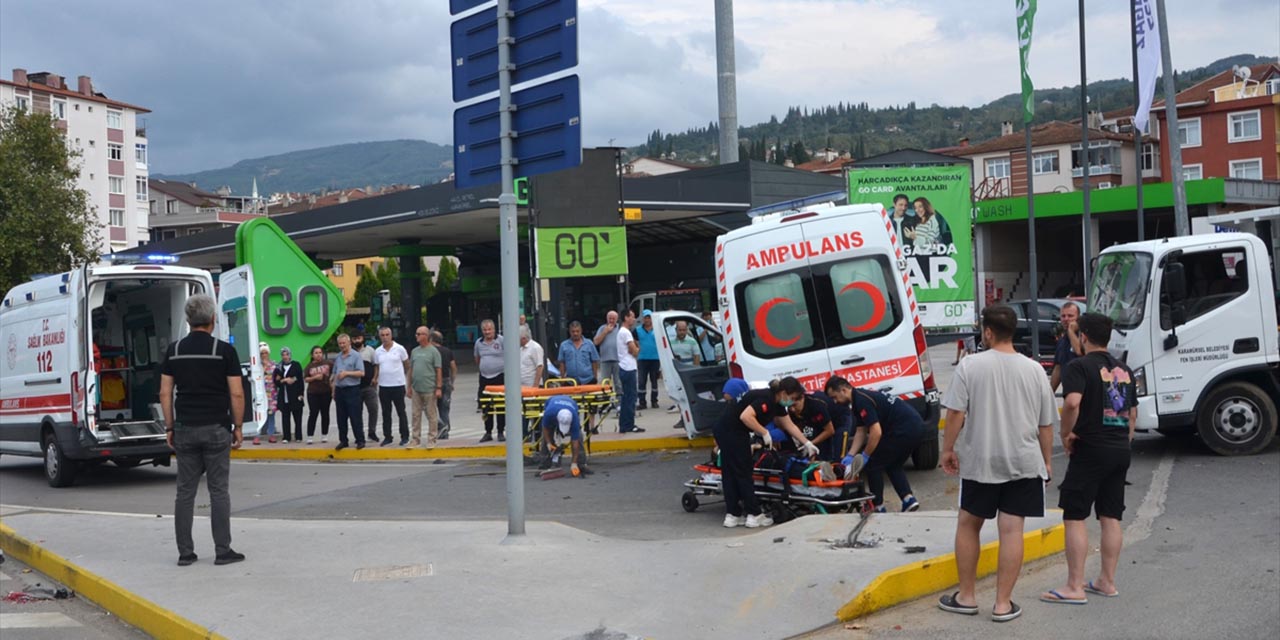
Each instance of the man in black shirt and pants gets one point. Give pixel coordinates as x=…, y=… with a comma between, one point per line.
x=205, y=372
x=1098, y=412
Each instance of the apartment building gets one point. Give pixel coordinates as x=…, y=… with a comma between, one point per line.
x=1228, y=125
x=181, y=208
x=111, y=141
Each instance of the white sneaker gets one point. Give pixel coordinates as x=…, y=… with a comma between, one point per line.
x=762, y=520
x=310, y=441
x=731, y=521
x=323, y=440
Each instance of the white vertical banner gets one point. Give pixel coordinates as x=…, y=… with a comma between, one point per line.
x=1146, y=43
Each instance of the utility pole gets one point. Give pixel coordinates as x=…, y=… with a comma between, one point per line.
x=1085, y=220
x=726, y=83
x=1182, y=224
x=1137, y=133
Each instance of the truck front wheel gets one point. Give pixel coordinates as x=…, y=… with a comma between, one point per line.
x=1237, y=418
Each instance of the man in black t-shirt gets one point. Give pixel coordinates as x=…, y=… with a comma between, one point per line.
x=203, y=424
x=448, y=374
x=891, y=430
x=1098, y=416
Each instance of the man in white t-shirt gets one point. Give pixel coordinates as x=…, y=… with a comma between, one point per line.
x=391, y=370
x=532, y=359
x=628, y=349
x=999, y=440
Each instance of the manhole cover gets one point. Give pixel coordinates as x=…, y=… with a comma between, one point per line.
x=375, y=574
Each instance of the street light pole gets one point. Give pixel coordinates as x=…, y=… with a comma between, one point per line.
x=726, y=82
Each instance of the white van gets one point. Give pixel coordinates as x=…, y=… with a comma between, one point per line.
x=808, y=294
x=80, y=377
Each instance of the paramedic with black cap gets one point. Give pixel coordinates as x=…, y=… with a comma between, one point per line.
x=733, y=436
x=561, y=415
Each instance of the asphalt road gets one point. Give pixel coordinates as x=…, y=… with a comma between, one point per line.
x=56, y=619
x=1204, y=564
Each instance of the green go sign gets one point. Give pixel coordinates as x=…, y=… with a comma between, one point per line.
x=574, y=252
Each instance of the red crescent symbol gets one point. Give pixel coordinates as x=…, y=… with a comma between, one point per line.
x=763, y=329
x=877, y=299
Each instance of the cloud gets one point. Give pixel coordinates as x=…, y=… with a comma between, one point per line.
x=237, y=79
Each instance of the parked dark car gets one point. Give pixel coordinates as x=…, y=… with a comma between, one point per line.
x=1049, y=310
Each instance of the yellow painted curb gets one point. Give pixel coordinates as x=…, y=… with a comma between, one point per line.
x=453, y=453
x=144, y=614
x=935, y=574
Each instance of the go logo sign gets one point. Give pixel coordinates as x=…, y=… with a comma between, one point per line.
x=581, y=251
x=282, y=310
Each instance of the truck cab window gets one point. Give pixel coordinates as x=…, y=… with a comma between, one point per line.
x=1214, y=278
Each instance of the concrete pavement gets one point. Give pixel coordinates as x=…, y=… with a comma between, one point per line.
x=467, y=579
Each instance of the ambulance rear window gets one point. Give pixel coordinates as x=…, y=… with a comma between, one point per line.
x=863, y=297
x=776, y=312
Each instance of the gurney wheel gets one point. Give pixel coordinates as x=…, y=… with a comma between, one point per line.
x=689, y=501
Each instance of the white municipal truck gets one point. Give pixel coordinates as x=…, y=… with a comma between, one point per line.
x=1195, y=318
x=80, y=372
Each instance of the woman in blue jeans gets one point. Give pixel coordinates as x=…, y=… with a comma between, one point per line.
x=891, y=430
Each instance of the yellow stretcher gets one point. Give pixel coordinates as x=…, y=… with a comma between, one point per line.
x=592, y=399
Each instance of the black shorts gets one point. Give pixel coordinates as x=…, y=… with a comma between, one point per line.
x=1024, y=497
x=1095, y=478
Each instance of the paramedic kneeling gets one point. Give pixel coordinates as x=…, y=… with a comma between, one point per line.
x=891, y=429
x=733, y=436
x=561, y=415
x=205, y=372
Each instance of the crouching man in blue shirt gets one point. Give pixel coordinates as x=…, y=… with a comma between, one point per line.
x=561, y=416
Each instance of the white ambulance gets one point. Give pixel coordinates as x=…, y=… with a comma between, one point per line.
x=80, y=375
x=810, y=294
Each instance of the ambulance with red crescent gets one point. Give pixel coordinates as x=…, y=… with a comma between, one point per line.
x=808, y=293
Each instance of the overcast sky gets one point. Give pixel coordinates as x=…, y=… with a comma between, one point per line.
x=237, y=79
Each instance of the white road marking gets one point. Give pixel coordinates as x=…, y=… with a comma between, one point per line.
x=1152, y=505
x=51, y=620
x=4, y=576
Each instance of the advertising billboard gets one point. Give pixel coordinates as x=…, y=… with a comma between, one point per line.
x=929, y=208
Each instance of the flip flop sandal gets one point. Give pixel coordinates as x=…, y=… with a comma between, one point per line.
x=1054, y=597
x=1096, y=591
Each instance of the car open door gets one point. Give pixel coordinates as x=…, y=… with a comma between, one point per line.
x=696, y=389
x=238, y=325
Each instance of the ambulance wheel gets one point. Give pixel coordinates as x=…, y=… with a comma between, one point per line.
x=925, y=457
x=689, y=501
x=59, y=470
x=1236, y=419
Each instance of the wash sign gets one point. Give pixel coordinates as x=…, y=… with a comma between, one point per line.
x=296, y=305
x=574, y=252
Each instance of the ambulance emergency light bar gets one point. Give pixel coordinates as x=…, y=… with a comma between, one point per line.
x=150, y=258
x=792, y=206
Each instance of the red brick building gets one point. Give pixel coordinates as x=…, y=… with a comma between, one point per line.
x=1228, y=126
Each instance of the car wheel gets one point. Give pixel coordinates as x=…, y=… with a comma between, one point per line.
x=59, y=470
x=1237, y=418
x=925, y=457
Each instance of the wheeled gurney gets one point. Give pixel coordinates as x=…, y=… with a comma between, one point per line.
x=799, y=488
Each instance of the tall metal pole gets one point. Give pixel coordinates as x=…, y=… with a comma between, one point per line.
x=510, y=244
x=1181, y=222
x=1085, y=219
x=1034, y=312
x=1137, y=133
x=726, y=82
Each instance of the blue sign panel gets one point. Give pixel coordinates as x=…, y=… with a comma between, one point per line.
x=458, y=6
x=545, y=40
x=545, y=124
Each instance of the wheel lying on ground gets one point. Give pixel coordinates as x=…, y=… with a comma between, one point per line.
x=1237, y=418
x=689, y=501
x=59, y=470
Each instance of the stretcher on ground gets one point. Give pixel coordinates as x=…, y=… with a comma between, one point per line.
x=800, y=489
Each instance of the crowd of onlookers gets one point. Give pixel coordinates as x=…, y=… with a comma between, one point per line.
x=361, y=380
